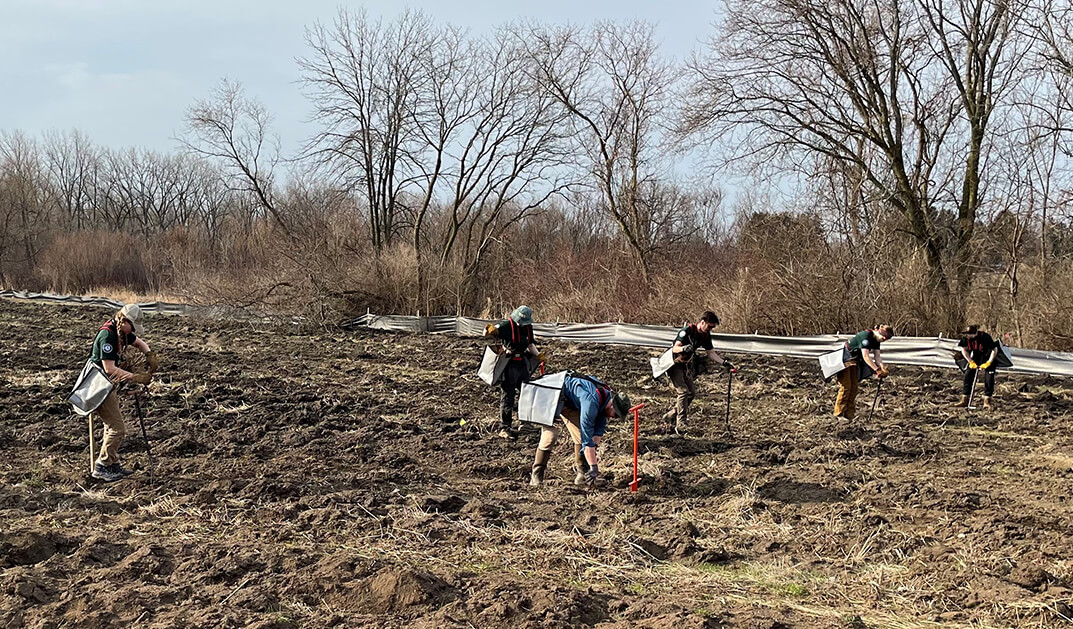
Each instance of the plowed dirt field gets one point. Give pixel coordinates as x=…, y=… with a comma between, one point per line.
x=320, y=478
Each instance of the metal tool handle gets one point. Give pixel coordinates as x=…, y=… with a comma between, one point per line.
x=972, y=391
x=145, y=436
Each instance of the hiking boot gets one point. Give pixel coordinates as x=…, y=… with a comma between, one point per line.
x=106, y=473
x=540, y=465
x=963, y=402
x=987, y=402
x=506, y=433
x=670, y=417
x=119, y=469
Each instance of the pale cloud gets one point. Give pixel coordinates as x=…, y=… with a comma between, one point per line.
x=125, y=71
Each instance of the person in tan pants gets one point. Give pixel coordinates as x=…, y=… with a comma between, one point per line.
x=587, y=404
x=116, y=334
x=693, y=354
x=549, y=435
x=864, y=346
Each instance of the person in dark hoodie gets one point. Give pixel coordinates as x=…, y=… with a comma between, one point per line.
x=979, y=350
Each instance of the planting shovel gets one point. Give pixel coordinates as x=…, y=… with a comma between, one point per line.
x=972, y=391
x=879, y=385
x=92, y=456
x=636, y=410
x=141, y=422
x=730, y=382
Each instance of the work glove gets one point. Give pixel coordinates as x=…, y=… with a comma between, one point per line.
x=540, y=356
x=153, y=361
x=985, y=365
x=883, y=373
x=687, y=348
x=489, y=330
x=973, y=365
x=142, y=378
x=728, y=366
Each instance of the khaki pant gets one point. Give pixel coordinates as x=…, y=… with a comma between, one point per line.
x=848, y=385
x=686, y=388
x=114, y=429
x=550, y=434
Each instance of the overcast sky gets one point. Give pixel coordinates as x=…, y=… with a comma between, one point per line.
x=124, y=71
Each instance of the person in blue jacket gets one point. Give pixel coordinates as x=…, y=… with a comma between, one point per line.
x=587, y=403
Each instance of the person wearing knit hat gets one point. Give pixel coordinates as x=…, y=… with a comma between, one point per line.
x=587, y=403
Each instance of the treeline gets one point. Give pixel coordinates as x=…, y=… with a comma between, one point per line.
x=905, y=161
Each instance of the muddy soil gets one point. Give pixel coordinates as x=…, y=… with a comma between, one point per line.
x=343, y=479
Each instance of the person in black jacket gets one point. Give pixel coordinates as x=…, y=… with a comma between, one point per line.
x=693, y=353
x=516, y=338
x=979, y=350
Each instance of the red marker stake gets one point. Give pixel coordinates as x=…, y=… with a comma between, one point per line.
x=636, y=410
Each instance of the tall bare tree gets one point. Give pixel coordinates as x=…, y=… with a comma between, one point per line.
x=509, y=159
x=616, y=87
x=979, y=45
x=901, y=91
x=363, y=78
x=233, y=130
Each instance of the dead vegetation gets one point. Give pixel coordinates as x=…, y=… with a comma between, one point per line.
x=342, y=463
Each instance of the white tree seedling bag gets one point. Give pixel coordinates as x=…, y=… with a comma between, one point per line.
x=540, y=399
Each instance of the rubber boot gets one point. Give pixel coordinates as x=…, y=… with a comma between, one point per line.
x=987, y=402
x=540, y=465
x=581, y=466
x=963, y=402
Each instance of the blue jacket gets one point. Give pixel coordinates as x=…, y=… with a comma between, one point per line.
x=589, y=400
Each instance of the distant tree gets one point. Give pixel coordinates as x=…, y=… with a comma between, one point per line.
x=617, y=88
x=233, y=131
x=902, y=93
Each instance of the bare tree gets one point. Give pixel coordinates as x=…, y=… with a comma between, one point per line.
x=805, y=82
x=510, y=156
x=363, y=77
x=448, y=136
x=24, y=217
x=977, y=44
x=233, y=130
x=74, y=168
x=616, y=88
